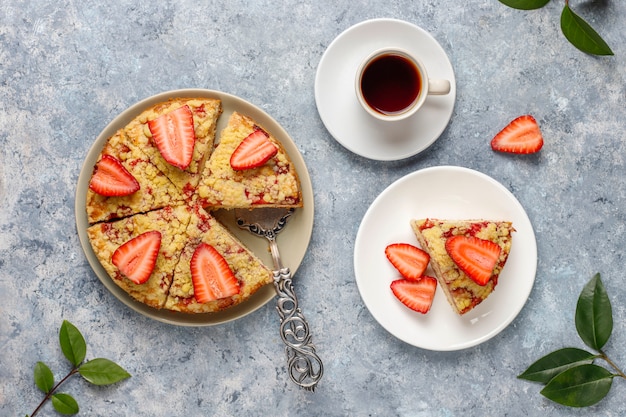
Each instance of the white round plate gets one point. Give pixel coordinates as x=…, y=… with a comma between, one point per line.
x=348, y=122
x=444, y=192
x=297, y=233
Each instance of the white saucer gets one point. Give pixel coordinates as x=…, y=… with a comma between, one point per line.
x=461, y=193
x=340, y=111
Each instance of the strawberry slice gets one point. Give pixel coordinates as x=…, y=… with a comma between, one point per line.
x=174, y=135
x=254, y=151
x=416, y=295
x=474, y=256
x=137, y=257
x=211, y=276
x=111, y=179
x=521, y=136
x=409, y=260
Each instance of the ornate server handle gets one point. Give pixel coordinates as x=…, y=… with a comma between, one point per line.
x=305, y=367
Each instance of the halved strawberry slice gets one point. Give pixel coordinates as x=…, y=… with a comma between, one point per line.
x=474, y=256
x=211, y=276
x=409, y=260
x=111, y=179
x=254, y=151
x=174, y=135
x=137, y=257
x=521, y=136
x=416, y=295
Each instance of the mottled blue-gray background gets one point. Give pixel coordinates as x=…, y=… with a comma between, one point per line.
x=67, y=68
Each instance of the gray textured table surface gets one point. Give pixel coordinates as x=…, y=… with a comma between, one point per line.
x=68, y=68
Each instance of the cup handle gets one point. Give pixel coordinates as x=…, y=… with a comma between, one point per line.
x=438, y=87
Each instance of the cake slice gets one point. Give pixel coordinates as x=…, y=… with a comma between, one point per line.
x=257, y=180
x=250, y=273
x=177, y=136
x=462, y=292
x=154, y=190
x=107, y=237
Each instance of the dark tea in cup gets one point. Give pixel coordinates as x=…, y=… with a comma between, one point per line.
x=390, y=83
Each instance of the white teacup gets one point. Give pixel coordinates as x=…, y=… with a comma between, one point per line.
x=392, y=84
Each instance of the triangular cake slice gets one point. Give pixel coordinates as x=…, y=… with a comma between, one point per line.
x=155, y=189
x=249, y=271
x=273, y=184
x=462, y=292
x=107, y=237
x=205, y=112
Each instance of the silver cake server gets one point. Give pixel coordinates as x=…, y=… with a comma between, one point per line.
x=305, y=367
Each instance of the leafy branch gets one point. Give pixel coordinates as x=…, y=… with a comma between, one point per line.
x=576, y=30
x=96, y=371
x=570, y=375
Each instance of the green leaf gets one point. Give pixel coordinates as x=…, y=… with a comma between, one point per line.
x=581, y=34
x=44, y=379
x=65, y=404
x=525, y=4
x=102, y=372
x=581, y=386
x=72, y=343
x=594, y=318
x=546, y=368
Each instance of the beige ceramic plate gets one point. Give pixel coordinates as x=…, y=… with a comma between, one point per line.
x=293, y=240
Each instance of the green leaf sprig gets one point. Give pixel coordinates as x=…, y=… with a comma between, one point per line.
x=96, y=371
x=575, y=29
x=570, y=375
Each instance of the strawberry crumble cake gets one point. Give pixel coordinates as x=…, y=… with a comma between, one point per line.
x=248, y=184
x=249, y=272
x=150, y=199
x=149, y=188
x=467, y=256
x=107, y=237
x=177, y=136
